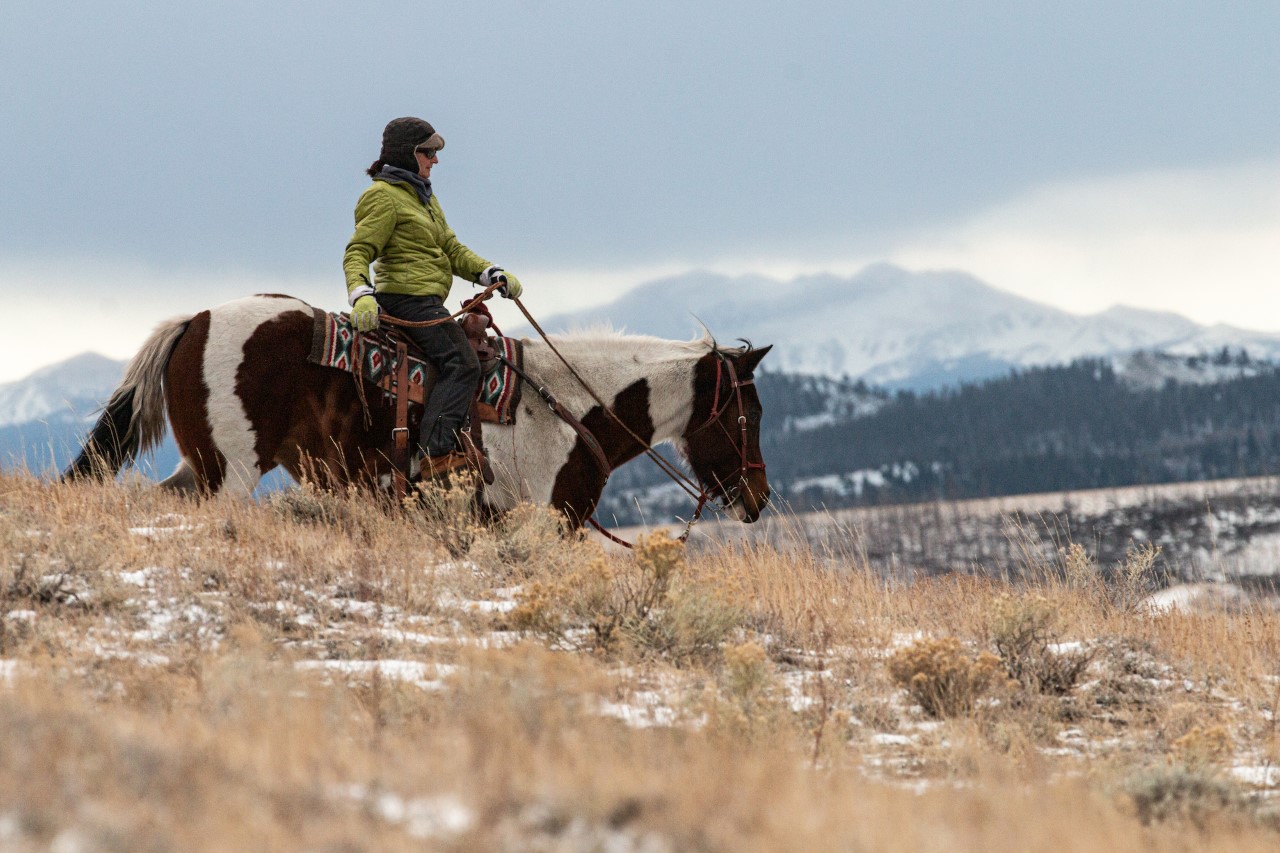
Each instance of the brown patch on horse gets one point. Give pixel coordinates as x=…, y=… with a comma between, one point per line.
x=703, y=442
x=187, y=400
x=268, y=380
x=579, y=482
x=293, y=404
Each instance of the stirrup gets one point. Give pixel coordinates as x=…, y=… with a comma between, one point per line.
x=439, y=466
x=476, y=457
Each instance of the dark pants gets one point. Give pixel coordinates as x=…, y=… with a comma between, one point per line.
x=446, y=347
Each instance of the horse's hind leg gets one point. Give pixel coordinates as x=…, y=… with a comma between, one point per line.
x=183, y=480
x=186, y=479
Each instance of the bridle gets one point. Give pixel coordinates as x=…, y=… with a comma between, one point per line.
x=725, y=365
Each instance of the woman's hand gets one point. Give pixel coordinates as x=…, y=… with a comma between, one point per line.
x=509, y=285
x=512, y=288
x=364, y=314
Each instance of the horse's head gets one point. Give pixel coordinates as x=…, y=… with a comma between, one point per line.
x=722, y=439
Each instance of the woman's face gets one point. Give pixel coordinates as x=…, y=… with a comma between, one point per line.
x=426, y=159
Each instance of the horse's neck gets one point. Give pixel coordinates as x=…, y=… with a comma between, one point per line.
x=613, y=364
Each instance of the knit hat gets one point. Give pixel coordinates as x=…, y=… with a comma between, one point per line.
x=401, y=136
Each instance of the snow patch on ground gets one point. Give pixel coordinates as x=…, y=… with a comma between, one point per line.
x=1189, y=597
x=647, y=708
x=902, y=639
x=428, y=676
x=504, y=600
x=138, y=578
x=804, y=688
x=164, y=618
x=144, y=658
x=491, y=640
x=9, y=670
x=165, y=524
x=441, y=817
x=1259, y=776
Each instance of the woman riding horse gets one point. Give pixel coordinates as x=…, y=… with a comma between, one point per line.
x=401, y=230
x=239, y=387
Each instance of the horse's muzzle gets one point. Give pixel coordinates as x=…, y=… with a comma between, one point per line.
x=751, y=498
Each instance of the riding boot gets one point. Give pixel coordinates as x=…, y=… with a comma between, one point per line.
x=439, y=466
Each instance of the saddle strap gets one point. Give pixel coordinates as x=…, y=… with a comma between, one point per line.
x=400, y=433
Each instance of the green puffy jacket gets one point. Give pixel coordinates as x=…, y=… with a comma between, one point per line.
x=411, y=246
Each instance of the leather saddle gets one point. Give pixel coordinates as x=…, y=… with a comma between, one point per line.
x=477, y=329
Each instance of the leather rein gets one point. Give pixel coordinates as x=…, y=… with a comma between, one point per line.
x=357, y=346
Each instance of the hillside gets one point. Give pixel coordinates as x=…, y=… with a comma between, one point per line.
x=1042, y=430
x=319, y=672
x=1089, y=424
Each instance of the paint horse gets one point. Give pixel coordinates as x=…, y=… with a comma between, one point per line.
x=242, y=398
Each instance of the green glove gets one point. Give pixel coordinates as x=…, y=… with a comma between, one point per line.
x=512, y=288
x=364, y=314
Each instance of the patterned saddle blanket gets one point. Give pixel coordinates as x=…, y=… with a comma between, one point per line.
x=333, y=344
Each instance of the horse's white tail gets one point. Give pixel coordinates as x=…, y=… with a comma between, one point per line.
x=132, y=421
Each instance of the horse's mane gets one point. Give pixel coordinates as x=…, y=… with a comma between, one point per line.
x=605, y=333
x=710, y=341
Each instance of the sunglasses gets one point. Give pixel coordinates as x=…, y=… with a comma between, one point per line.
x=429, y=153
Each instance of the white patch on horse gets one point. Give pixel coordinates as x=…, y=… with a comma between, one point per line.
x=230, y=327
x=528, y=457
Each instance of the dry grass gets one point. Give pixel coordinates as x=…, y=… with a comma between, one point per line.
x=323, y=672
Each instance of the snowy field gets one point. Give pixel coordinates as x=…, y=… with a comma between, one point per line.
x=317, y=672
x=1220, y=531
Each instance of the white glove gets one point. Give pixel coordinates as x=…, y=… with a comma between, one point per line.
x=509, y=285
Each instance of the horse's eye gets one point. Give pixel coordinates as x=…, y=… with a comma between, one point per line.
x=753, y=417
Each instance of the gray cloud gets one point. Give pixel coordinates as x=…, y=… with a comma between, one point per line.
x=233, y=135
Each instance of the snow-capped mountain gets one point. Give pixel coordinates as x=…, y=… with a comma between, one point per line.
x=884, y=325
x=893, y=327
x=67, y=392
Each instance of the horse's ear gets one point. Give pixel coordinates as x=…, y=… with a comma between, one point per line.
x=747, y=362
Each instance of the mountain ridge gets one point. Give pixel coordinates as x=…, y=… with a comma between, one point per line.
x=67, y=391
x=897, y=328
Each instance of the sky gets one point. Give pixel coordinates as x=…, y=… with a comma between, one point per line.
x=157, y=159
